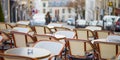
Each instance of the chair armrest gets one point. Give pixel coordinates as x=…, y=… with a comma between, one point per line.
x=31, y=33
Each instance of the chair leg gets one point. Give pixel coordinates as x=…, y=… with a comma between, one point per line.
x=10, y=44
x=66, y=52
x=2, y=48
x=1, y=58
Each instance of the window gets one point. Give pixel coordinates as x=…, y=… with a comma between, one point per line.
x=44, y=5
x=119, y=6
x=63, y=10
x=63, y=17
x=44, y=10
x=69, y=10
x=50, y=10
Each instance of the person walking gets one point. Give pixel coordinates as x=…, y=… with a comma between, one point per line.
x=48, y=18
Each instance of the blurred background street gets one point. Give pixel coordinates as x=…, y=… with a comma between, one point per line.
x=75, y=13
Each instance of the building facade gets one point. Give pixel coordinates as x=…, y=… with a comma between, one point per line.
x=107, y=7
x=6, y=9
x=57, y=8
x=15, y=10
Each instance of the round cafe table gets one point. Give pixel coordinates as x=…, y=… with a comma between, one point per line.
x=29, y=52
x=67, y=34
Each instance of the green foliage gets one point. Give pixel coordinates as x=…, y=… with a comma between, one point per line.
x=1, y=14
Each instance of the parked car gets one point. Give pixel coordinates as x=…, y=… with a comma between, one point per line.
x=71, y=21
x=93, y=23
x=81, y=23
x=54, y=19
x=111, y=22
x=99, y=23
x=108, y=21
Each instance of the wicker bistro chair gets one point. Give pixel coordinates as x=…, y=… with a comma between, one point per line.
x=80, y=49
x=6, y=37
x=93, y=28
x=55, y=47
x=15, y=57
x=45, y=37
x=85, y=34
x=9, y=26
x=21, y=39
x=4, y=26
x=42, y=30
x=107, y=50
x=6, y=41
x=118, y=48
x=24, y=26
x=21, y=25
x=67, y=34
x=31, y=30
x=102, y=34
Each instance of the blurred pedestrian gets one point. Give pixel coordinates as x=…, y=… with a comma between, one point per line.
x=48, y=18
